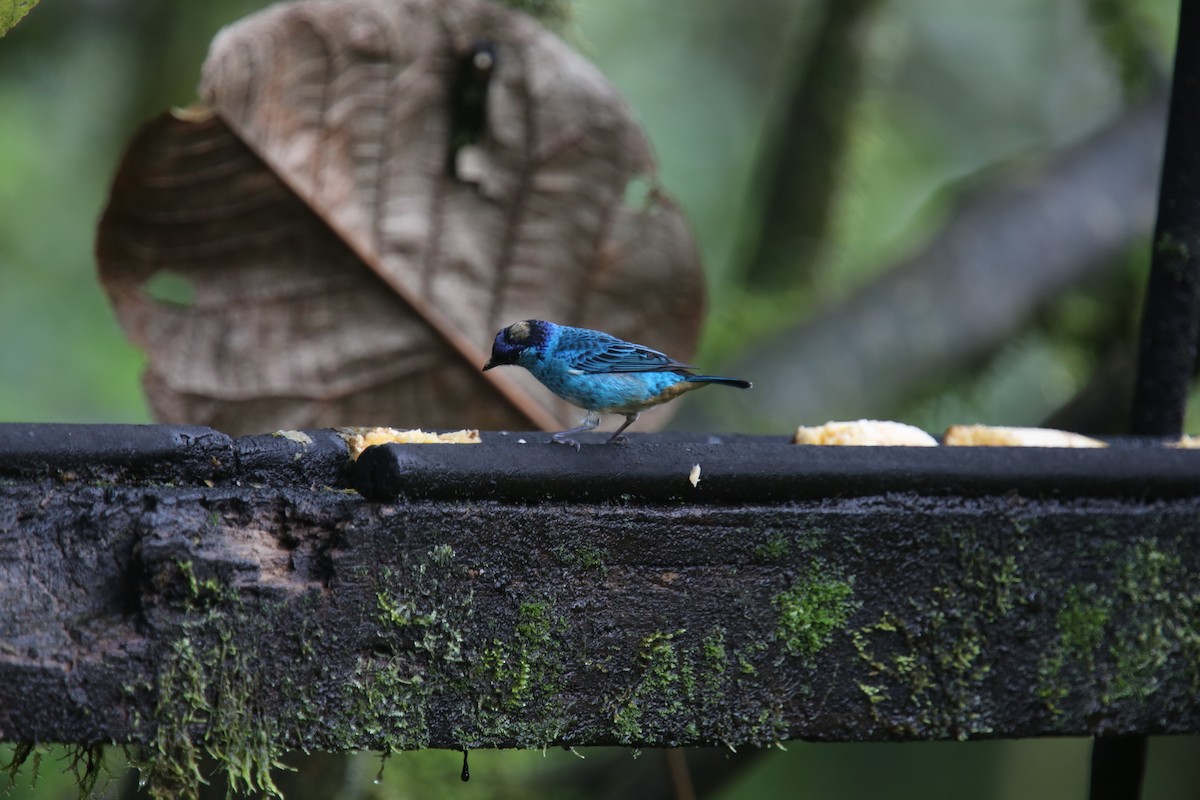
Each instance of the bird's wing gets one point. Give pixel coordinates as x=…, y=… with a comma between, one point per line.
x=593, y=351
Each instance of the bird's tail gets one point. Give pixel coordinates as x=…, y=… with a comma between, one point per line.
x=718, y=379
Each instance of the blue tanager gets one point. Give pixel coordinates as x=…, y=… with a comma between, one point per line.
x=596, y=371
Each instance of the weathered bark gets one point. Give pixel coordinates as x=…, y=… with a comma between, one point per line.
x=195, y=592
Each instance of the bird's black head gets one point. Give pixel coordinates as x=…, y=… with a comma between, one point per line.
x=529, y=334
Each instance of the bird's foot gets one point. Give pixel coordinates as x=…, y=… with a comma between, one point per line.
x=560, y=439
x=619, y=438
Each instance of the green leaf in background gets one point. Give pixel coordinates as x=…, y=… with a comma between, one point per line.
x=11, y=12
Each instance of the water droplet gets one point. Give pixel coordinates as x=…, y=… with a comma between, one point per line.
x=383, y=757
x=466, y=773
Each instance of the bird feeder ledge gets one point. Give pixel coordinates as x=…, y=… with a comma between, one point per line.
x=522, y=595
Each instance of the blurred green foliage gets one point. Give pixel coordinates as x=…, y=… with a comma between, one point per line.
x=1047, y=769
x=951, y=91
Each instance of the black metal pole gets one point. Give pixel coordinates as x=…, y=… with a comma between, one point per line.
x=1171, y=314
x=1117, y=766
x=1170, y=325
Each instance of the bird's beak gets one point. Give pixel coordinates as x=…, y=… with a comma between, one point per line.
x=490, y=363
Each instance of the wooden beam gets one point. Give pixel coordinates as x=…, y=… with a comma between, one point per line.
x=175, y=587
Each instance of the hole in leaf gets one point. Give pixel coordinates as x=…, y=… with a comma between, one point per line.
x=639, y=191
x=170, y=288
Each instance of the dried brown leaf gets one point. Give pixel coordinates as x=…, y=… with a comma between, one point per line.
x=340, y=276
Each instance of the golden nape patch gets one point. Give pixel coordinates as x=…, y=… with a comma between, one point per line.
x=519, y=331
x=359, y=439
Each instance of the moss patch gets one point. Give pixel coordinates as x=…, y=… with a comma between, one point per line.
x=682, y=688
x=667, y=685
x=1081, y=625
x=777, y=545
x=520, y=678
x=1159, y=622
x=585, y=556
x=208, y=679
x=926, y=664
x=818, y=603
x=1126, y=637
x=696, y=686
x=419, y=640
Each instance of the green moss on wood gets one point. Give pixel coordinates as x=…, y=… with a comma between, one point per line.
x=682, y=691
x=926, y=663
x=662, y=695
x=520, y=681
x=777, y=544
x=1080, y=624
x=816, y=606
x=208, y=681
x=713, y=648
x=776, y=547
x=420, y=641
x=588, y=557
x=1161, y=623
x=1125, y=637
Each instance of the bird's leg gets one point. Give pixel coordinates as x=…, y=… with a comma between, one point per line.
x=629, y=420
x=589, y=423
